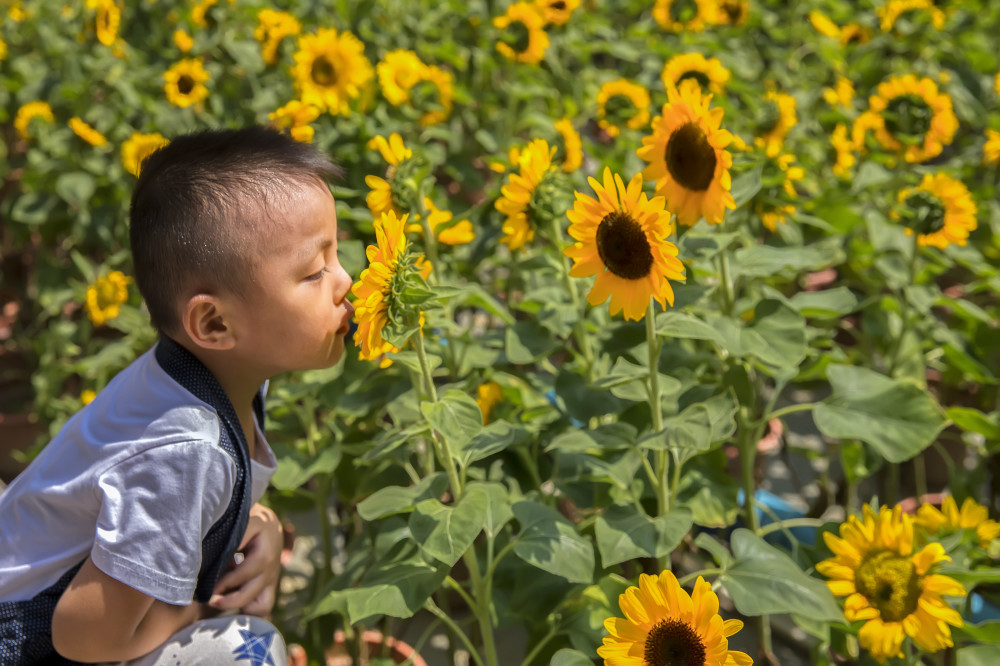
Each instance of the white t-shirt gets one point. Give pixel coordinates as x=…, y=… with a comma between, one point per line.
x=135, y=479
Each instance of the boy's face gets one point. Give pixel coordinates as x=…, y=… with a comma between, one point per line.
x=297, y=314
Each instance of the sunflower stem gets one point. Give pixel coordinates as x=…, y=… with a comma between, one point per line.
x=441, y=442
x=455, y=629
x=662, y=485
x=727, y=291
x=579, y=330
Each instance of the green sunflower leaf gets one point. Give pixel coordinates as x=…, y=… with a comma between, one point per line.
x=570, y=657
x=978, y=655
x=763, y=580
x=625, y=533
x=399, y=499
x=446, y=532
x=456, y=416
x=898, y=419
x=551, y=543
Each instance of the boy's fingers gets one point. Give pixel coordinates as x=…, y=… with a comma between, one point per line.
x=238, y=597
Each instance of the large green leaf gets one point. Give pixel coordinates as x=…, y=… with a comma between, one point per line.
x=763, y=580
x=973, y=420
x=401, y=499
x=498, y=511
x=898, y=419
x=446, y=532
x=397, y=589
x=675, y=324
x=294, y=470
x=835, y=302
x=494, y=438
x=625, y=533
x=551, y=543
x=456, y=415
x=527, y=341
x=979, y=655
x=766, y=260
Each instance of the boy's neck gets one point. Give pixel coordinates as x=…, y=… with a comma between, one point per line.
x=239, y=385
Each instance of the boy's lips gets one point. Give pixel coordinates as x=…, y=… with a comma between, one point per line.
x=347, y=320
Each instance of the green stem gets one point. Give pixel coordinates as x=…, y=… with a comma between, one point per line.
x=455, y=585
x=748, y=455
x=728, y=295
x=662, y=483
x=791, y=409
x=455, y=629
x=787, y=524
x=904, y=309
x=444, y=452
x=483, y=590
x=553, y=629
x=693, y=576
x=579, y=330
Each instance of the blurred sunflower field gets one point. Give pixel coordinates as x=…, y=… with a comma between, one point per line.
x=614, y=262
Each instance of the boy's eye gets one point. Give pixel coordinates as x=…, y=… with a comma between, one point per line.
x=318, y=275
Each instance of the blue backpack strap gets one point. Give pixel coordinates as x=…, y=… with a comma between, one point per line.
x=223, y=539
x=26, y=627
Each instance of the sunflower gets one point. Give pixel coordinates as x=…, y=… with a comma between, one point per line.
x=295, y=117
x=28, y=112
x=780, y=176
x=622, y=102
x=183, y=41
x=664, y=626
x=433, y=93
x=138, y=147
x=3, y=49
x=106, y=295
x=996, y=83
x=844, y=149
x=972, y=516
x=383, y=197
x=87, y=396
x=459, y=233
x=890, y=12
x=909, y=115
x=488, y=396
x=841, y=94
x=398, y=72
x=687, y=157
x=557, y=12
x=199, y=13
x=681, y=15
x=939, y=210
x=524, y=38
x=109, y=19
x=733, y=12
x=185, y=82
x=708, y=72
x=854, y=33
x=331, y=69
x=517, y=196
x=991, y=149
x=389, y=267
x=622, y=238
x=571, y=148
x=272, y=27
x=86, y=132
x=776, y=118
x=888, y=586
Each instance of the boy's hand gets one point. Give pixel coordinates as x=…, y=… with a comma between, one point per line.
x=251, y=585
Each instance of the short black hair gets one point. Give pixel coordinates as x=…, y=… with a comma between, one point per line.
x=199, y=211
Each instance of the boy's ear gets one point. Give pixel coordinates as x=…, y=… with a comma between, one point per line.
x=203, y=318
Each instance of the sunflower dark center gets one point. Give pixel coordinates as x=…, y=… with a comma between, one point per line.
x=623, y=246
x=734, y=11
x=690, y=157
x=107, y=294
x=890, y=583
x=619, y=109
x=558, y=5
x=695, y=75
x=517, y=36
x=185, y=84
x=683, y=11
x=768, y=117
x=908, y=118
x=924, y=213
x=323, y=72
x=104, y=20
x=852, y=35
x=673, y=643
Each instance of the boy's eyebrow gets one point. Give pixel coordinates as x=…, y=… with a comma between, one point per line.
x=319, y=247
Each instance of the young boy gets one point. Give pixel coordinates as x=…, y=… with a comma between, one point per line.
x=118, y=541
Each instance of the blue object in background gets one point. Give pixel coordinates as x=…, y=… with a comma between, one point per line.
x=784, y=511
x=982, y=610
x=551, y=397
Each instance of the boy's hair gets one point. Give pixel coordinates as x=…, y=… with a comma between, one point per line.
x=199, y=213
